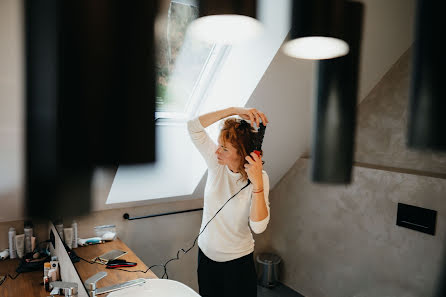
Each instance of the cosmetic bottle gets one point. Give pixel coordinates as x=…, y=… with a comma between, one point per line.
x=20, y=245
x=12, y=248
x=33, y=243
x=46, y=283
x=75, y=237
x=59, y=228
x=46, y=268
x=28, y=230
x=68, y=236
x=52, y=275
x=4, y=254
x=54, y=263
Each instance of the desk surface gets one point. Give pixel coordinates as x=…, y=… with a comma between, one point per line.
x=31, y=283
x=86, y=270
x=26, y=284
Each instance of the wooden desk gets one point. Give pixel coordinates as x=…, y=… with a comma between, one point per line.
x=26, y=284
x=86, y=270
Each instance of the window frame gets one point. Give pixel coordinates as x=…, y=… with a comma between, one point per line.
x=206, y=77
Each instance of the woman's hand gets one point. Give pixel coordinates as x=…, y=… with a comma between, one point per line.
x=251, y=114
x=254, y=170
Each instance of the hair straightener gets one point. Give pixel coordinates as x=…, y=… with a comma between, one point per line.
x=119, y=263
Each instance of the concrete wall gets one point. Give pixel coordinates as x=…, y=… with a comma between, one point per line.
x=342, y=240
x=382, y=125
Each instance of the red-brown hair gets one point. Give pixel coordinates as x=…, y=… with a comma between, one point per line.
x=241, y=136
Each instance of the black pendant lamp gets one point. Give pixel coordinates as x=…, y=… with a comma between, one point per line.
x=336, y=99
x=90, y=92
x=317, y=30
x=427, y=108
x=226, y=22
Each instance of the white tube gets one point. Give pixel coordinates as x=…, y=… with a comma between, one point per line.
x=20, y=245
x=33, y=243
x=68, y=236
x=52, y=275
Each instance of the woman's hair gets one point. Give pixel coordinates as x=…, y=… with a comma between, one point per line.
x=241, y=136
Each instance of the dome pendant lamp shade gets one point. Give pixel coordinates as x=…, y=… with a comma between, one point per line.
x=427, y=107
x=226, y=22
x=316, y=30
x=335, y=111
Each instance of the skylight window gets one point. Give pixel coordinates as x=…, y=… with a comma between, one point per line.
x=184, y=66
x=228, y=77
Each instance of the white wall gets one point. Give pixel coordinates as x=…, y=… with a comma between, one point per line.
x=11, y=111
x=284, y=94
x=388, y=33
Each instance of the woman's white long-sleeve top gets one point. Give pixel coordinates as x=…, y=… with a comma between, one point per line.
x=228, y=236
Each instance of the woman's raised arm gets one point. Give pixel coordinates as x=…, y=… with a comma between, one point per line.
x=251, y=114
x=209, y=118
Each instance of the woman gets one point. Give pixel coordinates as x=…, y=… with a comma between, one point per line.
x=225, y=257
